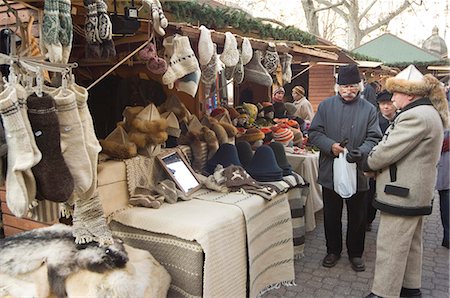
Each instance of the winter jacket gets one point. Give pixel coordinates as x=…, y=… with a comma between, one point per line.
x=406, y=159
x=337, y=120
x=443, y=177
x=304, y=109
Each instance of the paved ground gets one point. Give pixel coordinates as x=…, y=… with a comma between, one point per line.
x=316, y=281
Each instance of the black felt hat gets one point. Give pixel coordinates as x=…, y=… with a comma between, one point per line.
x=245, y=153
x=280, y=156
x=348, y=74
x=384, y=96
x=264, y=166
x=226, y=155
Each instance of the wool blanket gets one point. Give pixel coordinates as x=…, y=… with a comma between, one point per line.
x=269, y=237
x=218, y=228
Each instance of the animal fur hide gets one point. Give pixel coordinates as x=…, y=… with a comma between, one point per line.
x=55, y=247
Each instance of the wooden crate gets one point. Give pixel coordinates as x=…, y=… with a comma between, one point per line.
x=13, y=225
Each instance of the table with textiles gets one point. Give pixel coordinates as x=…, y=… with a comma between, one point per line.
x=307, y=165
x=206, y=243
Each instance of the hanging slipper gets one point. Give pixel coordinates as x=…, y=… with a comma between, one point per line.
x=149, y=52
x=157, y=65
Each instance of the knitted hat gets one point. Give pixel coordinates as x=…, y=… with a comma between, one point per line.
x=268, y=135
x=255, y=71
x=245, y=153
x=230, y=54
x=290, y=108
x=271, y=58
x=239, y=71
x=279, y=110
x=247, y=51
x=348, y=74
x=233, y=113
x=205, y=46
x=182, y=62
x=117, y=145
x=268, y=112
x=384, y=96
x=279, y=90
x=252, y=134
x=252, y=110
x=299, y=90
x=264, y=166
x=236, y=177
x=282, y=134
x=280, y=155
x=225, y=156
x=410, y=81
x=218, y=112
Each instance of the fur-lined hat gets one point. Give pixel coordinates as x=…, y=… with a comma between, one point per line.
x=411, y=81
x=117, y=144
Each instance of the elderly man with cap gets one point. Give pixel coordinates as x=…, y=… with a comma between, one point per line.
x=344, y=120
x=404, y=193
x=386, y=116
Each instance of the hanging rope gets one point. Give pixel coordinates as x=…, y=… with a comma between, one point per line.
x=118, y=64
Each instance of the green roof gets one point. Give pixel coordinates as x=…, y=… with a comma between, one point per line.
x=389, y=48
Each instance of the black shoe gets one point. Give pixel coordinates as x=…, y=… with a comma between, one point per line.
x=372, y=295
x=358, y=264
x=416, y=293
x=330, y=260
x=445, y=243
x=369, y=227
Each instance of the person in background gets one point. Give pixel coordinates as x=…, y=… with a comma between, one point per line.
x=302, y=104
x=405, y=192
x=370, y=94
x=278, y=103
x=345, y=116
x=443, y=186
x=386, y=115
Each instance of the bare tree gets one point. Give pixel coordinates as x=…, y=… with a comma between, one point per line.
x=353, y=15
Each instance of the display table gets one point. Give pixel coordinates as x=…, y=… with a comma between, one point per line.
x=204, y=243
x=307, y=165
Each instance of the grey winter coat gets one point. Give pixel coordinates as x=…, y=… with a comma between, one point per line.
x=337, y=120
x=406, y=159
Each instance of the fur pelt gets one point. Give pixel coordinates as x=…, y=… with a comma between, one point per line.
x=211, y=140
x=119, y=151
x=145, y=133
x=230, y=129
x=55, y=246
x=220, y=132
x=129, y=114
x=173, y=104
x=429, y=87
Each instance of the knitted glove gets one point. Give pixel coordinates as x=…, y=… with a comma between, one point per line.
x=354, y=155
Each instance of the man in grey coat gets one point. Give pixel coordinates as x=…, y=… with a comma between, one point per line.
x=405, y=164
x=344, y=118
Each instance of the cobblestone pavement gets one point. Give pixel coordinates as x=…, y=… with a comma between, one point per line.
x=314, y=280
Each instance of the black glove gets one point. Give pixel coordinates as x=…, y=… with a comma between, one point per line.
x=354, y=155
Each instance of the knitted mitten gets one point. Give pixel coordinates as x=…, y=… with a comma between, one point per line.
x=89, y=223
x=51, y=30
x=65, y=29
x=93, y=147
x=53, y=178
x=104, y=29
x=73, y=146
x=91, y=29
x=271, y=59
x=20, y=153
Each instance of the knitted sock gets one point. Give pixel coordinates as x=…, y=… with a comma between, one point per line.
x=239, y=71
x=104, y=25
x=89, y=223
x=93, y=147
x=50, y=31
x=209, y=70
x=20, y=153
x=65, y=23
x=205, y=46
x=271, y=59
x=73, y=146
x=53, y=178
x=91, y=22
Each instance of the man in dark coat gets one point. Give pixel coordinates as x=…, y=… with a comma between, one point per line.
x=345, y=116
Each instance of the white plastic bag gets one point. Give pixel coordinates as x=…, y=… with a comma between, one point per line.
x=344, y=176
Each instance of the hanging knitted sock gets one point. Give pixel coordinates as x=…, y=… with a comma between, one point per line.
x=93, y=147
x=73, y=146
x=89, y=223
x=53, y=178
x=66, y=28
x=20, y=153
x=104, y=29
x=51, y=45
x=91, y=30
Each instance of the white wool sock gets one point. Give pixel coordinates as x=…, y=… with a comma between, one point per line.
x=73, y=146
x=90, y=139
x=20, y=153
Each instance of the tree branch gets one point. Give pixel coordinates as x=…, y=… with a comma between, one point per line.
x=335, y=8
x=386, y=19
x=272, y=21
x=366, y=10
x=328, y=7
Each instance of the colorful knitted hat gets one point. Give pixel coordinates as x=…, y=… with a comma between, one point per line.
x=264, y=166
x=245, y=153
x=225, y=156
x=282, y=134
x=280, y=155
x=268, y=135
x=218, y=112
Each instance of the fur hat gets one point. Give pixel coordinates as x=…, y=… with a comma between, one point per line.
x=218, y=111
x=205, y=46
x=410, y=81
x=348, y=74
x=264, y=166
x=174, y=104
x=252, y=135
x=117, y=144
x=233, y=113
x=230, y=54
x=225, y=156
x=279, y=109
x=247, y=51
x=280, y=155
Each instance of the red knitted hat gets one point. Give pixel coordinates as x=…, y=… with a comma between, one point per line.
x=282, y=134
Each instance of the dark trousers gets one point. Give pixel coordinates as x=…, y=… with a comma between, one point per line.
x=371, y=211
x=443, y=206
x=356, y=222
